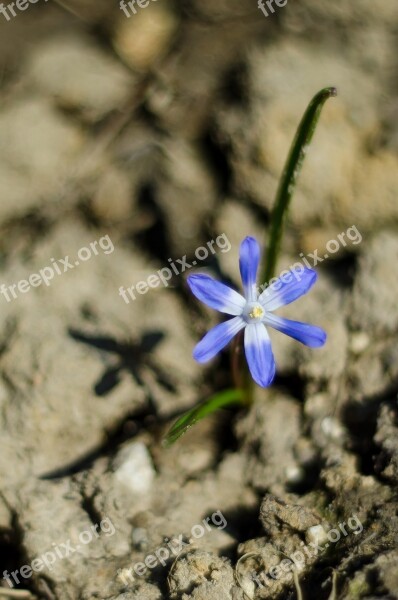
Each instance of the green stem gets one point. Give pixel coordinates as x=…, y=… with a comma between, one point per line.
x=289, y=178
x=239, y=370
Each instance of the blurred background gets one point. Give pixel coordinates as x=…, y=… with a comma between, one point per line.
x=162, y=127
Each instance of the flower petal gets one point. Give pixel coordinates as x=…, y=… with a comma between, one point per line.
x=217, y=338
x=216, y=294
x=249, y=257
x=281, y=292
x=307, y=334
x=259, y=354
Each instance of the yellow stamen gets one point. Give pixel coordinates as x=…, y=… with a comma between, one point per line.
x=256, y=313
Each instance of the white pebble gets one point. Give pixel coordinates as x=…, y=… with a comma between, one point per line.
x=316, y=534
x=332, y=428
x=294, y=474
x=134, y=468
x=359, y=342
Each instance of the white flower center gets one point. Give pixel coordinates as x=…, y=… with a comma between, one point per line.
x=253, y=312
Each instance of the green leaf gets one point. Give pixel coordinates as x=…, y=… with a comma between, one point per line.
x=290, y=175
x=215, y=402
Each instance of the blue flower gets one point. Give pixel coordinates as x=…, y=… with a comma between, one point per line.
x=253, y=312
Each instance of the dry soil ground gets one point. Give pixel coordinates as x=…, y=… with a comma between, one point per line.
x=151, y=135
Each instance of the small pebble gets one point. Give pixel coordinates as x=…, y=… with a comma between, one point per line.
x=294, y=474
x=134, y=468
x=332, y=428
x=359, y=342
x=316, y=534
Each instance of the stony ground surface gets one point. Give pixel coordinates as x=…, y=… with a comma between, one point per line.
x=151, y=135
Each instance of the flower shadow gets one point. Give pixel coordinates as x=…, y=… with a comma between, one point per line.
x=132, y=357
